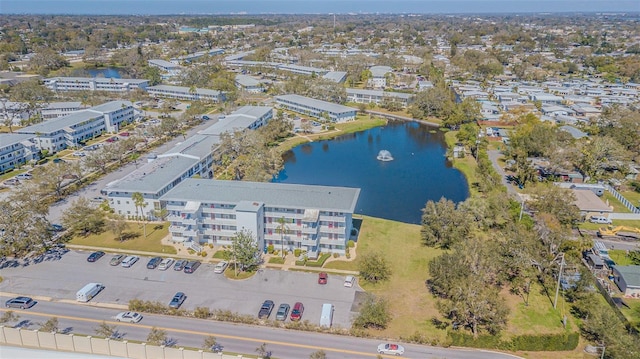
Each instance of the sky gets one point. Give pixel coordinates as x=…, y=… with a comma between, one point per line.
x=171, y=7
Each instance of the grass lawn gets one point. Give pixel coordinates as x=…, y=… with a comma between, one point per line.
x=412, y=307
x=632, y=196
x=617, y=205
x=620, y=257
x=616, y=222
x=632, y=313
x=155, y=233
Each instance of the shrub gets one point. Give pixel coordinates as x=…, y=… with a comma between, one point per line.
x=202, y=313
x=351, y=243
x=348, y=255
x=296, y=252
x=210, y=245
x=191, y=251
x=336, y=255
x=542, y=342
x=270, y=249
x=320, y=262
x=203, y=253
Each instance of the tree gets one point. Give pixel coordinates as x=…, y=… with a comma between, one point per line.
x=209, y=342
x=157, y=336
x=245, y=250
x=117, y=226
x=83, y=218
x=443, y=224
x=319, y=354
x=138, y=201
x=50, y=326
x=51, y=178
x=282, y=229
x=105, y=330
x=98, y=160
x=374, y=313
x=556, y=201
x=8, y=317
x=374, y=268
x=263, y=352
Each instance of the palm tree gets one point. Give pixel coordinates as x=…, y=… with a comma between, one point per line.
x=138, y=201
x=282, y=229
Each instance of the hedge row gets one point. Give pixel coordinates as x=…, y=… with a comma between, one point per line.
x=320, y=262
x=543, y=342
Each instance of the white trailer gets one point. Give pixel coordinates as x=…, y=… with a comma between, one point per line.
x=89, y=291
x=326, y=318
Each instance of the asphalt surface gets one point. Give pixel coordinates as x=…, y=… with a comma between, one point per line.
x=203, y=288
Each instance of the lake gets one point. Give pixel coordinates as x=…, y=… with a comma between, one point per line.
x=106, y=72
x=397, y=189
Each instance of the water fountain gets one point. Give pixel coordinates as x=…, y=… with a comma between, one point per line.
x=385, y=156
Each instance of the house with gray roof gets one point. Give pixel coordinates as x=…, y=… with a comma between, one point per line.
x=248, y=84
x=336, y=76
x=317, y=108
x=168, y=69
x=319, y=218
x=378, y=76
x=628, y=279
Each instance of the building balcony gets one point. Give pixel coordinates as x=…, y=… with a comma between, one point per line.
x=189, y=221
x=175, y=207
x=333, y=242
x=339, y=219
x=334, y=230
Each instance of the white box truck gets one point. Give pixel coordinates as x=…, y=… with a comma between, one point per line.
x=89, y=291
x=326, y=318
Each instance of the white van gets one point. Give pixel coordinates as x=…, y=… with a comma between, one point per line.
x=349, y=281
x=89, y=291
x=326, y=318
x=600, y=219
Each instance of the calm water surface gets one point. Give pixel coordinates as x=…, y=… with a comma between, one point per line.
x=106, y=72
x=396, y=190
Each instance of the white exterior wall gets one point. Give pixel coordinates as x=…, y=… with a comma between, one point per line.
x=16, y=154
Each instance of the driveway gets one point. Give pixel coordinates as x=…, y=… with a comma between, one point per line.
x=494, y=155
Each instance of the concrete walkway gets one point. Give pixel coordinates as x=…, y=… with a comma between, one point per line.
x=493, y=156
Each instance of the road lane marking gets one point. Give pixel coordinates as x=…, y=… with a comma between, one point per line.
x=186, y=331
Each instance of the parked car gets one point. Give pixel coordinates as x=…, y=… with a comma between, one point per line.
x=95, y=256
x=128, y=317
x=191, y=266
x=117, y=259
x=154, y=262
x=165, y=264
x=220, y=267
x=57, y=228
x=265, y=309
x=389, y=348
x=11, y=182
x=600, y=219
x=24, y=176
x=98, y=199
x=283, y=311
x=296, y=313
x=112, y=139
x=349, y=281
x=177, y=300
x=124, y=134
x=20, y=302
x=129, y=261
x=180, y=263
x=322, y=278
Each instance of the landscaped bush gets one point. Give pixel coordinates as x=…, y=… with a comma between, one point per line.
x=270, y=249
x=276, y=260
x=336, y=255
x=351, y=243
x=543, y=342
x=202, y=313
x=320, y=262
x=203, y=253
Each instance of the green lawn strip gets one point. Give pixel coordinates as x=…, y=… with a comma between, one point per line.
x=412, y=307
x=616, y=222
x=632, y=196
x=620, y=257
x=151, y=243
x=633, y=312
x=612, y=201
x=342, y=265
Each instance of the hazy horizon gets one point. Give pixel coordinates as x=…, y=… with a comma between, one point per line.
x=228, y=7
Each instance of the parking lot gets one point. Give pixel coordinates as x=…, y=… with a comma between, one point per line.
x=60, y=277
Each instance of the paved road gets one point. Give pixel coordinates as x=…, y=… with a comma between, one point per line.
x=285, y=344
x=493, y=156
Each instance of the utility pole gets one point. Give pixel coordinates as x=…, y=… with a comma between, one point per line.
x=555, y=301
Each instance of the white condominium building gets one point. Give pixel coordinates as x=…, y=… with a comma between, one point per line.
x=317, y=108
x=186, y=93
x=95, y=84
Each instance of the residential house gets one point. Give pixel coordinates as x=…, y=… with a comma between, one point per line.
x=248, y=84
x=628, y=279
x=379, y=76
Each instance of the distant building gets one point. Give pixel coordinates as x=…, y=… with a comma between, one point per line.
x=317, y=108
x=335, y=76
x=186, y=93
x=168, y=69
x=16, y=149
x=60, y=109
x=378, y=96
x=248, y=84
x=72, y=130
x=95, y=84
x=196, y=55
x=378, y=76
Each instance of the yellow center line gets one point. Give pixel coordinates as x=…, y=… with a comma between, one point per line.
x=186, y=331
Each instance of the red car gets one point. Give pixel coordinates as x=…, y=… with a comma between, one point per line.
x=296, y=313
x=322, y=278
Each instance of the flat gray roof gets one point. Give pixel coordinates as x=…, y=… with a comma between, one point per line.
x=56, y=124
x=631, y=274
x=255, y=111
x=379, y=71
x=316, y=104
x=153, y=176
x=231, y=123
x=245, y=80
x=183, y=89
x=335, y=76
x=380, y=93
x=97, y=79
x=111, y=106
x=326, y=198
x=61, y=105
x=199, y=146
x=163, y=63
x=7, y=139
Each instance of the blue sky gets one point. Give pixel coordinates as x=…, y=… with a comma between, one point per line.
x=311, y=6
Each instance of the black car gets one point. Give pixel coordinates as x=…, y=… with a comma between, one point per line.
x=154, y=262
x=191, y=266
x=20, y=302
x=180, y=264
x=265, y=310
x=177, y=300
x=95, y=256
